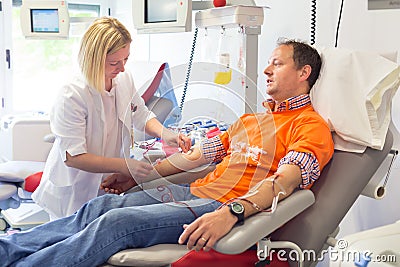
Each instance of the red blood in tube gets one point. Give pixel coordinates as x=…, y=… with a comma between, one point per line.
x=219, y=3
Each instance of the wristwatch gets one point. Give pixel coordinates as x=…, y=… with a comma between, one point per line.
x=237, y=209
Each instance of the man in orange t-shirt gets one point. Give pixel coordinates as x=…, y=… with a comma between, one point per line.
x=250, y=151
x=290, y=143
x=261, y=158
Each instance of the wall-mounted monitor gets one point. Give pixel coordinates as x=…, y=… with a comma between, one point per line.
x=45, y=19
x=161, y=16
x=383, y=4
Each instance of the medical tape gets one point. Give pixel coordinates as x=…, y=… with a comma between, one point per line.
x=254, y=190
x=275, y=200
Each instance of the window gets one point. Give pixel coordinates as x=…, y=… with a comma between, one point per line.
x=5, y=25
x=41, y=67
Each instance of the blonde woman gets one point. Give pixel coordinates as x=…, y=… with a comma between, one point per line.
x=92, y=119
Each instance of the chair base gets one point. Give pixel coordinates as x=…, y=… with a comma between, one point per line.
x=215, y=259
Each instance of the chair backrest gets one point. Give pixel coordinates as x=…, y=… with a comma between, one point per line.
x=149, y=93
x=340, y=184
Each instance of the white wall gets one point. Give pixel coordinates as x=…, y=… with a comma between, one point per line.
x=360, y=29
x=376, y=31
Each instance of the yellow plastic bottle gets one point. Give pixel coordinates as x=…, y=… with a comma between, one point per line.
x=224, y=73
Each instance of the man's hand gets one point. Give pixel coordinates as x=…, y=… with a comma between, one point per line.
x=206, y=230
x=117, y=183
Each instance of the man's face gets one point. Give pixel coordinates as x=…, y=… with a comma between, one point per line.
x=115, y=63
x=283, y=79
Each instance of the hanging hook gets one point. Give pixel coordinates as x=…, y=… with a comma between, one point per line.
x=222, y=29
x=205, y=31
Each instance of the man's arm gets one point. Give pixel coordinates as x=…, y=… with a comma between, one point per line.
x=176, y=163
x=154, y=128
x=179, y=162
x=214, y=225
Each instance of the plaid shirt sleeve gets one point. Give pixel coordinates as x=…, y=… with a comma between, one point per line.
x=213, y=149
x=308, y=164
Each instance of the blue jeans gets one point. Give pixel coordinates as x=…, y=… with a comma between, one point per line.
x=106, y=225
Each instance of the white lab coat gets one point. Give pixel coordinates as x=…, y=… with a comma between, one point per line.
x=78, y=122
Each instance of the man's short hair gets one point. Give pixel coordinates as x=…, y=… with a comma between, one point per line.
x=304, y=54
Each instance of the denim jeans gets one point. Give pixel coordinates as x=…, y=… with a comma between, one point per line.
x=106, y=225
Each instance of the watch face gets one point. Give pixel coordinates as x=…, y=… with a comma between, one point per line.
x=237, y=207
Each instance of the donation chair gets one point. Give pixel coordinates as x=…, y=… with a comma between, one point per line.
x=18, y=180
x=23, y=152
x=306, y=220
x=159, y=97
x=362, y=85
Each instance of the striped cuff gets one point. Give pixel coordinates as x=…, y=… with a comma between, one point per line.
x=213, y=149
x=308, y=164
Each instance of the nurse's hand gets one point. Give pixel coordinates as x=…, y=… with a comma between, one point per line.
x=137, y=169
x=117, y=183
x=177, y=140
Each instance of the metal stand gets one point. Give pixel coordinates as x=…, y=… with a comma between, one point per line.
x=249, y=19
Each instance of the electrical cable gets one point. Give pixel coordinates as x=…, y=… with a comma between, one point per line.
x=338, y=24
x=189, y=68
x=313, y=20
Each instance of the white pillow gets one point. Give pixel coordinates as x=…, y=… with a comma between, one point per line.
x=17, y=171
x=354, y=95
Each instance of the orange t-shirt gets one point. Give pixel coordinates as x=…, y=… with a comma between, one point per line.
x=256, y=143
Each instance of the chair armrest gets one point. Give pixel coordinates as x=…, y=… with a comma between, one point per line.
x=49, y=138
x=8, y=196
x=191, y=175
x=17, y=171
x=178, y=178
x=7, y=190
x=260, y=225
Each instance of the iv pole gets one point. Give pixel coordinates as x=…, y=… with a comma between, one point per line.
x=249, y=19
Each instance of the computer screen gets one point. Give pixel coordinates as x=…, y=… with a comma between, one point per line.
x=44, y=20
x=160, y=16
x=160, y=11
